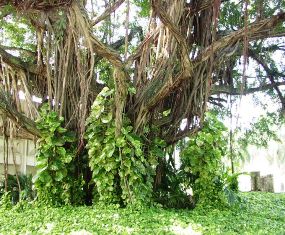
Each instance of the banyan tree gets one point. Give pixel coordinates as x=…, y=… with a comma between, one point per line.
x=146, y=66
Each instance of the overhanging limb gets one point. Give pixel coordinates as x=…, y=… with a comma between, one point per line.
x=19, y=119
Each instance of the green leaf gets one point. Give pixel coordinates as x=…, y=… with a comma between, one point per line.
x=58, y=141
x=61, y=130
x=40, y=164
x=109, y=149
x=126, y=150
x=56, y=165
x=166, y=112
x=106, y=92
x=110, y=166
x=138, y=152
x=120, y=142
x=41, y=170
x=127, y=162
x=59, y=176
x=67, y=158
x=158, y=152
x=61, y=151
x=132, y=90
x=106, y=119
x=45, y=177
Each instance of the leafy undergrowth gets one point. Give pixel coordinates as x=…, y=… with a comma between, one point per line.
x=259, y=213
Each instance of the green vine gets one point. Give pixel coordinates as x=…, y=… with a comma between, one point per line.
x=54, y=179
x=202, y=162
x=6, y=201
x=121, y=171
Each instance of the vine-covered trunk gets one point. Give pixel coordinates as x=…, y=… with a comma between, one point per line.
x=140, y=97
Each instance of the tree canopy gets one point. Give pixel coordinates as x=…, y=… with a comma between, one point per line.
x=187, y=53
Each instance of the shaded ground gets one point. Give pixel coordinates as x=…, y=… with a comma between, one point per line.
x=260, y=213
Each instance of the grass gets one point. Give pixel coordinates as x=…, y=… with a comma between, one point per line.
x=260, y=213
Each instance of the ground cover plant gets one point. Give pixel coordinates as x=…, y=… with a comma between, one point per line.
x=259, y=213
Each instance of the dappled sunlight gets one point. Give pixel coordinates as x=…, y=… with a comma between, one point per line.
x=47, y=228
x=193, y=229
x=124, y=229
x=81, y=232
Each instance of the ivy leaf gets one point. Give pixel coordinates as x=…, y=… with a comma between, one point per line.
x=61, y=151
x=138, y=152
x=120, y=142
x=110, y=131
x=42, y=170
x=106, y=119
x=110, y=166
x=199, y=142
x=127, y=162
x=41, y=164
x=106, y=92
x=67, y=158
x=61, y=130
x=58, y=141
x=56, y=165
x=53, y=126
x=45, y=177
x=126, y=150
x=110, y=149
x=132, y=90
x=59, y=176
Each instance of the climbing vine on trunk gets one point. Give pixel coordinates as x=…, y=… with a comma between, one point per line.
x=55, y=179
x=122, y=169
x=202, y=162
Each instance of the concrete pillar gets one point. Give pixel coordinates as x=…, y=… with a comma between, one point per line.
x=255, y=181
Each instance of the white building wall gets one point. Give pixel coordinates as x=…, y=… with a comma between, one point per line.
x=266, y=161
x=24, y=154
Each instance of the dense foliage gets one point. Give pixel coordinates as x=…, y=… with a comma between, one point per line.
x=202, y=161
x=24, y=191
x=121, y=172
x=260, y=213
x=55, y=180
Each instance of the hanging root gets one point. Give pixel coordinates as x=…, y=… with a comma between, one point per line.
x=121, y=89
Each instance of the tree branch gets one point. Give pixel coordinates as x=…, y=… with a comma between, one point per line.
x=200, y=6
x=254, y=29
x=162, y=14
x=237, y=91
x=270, y=74
x=26, y=51
x=136, y=30
x=110, y=9
x=15, y=62
x=102, y=50
x=39, y=5
x=19, y=119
